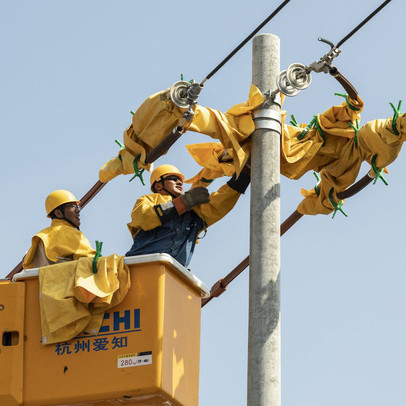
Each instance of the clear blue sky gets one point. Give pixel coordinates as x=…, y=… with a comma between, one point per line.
x=70, y=73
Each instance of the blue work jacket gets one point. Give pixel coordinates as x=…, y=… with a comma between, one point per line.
x=177, y=237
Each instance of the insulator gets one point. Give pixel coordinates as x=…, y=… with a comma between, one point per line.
x=179, y=94
x=284, y=85
x=188, y=114
x=193, y=92
x=298, y=77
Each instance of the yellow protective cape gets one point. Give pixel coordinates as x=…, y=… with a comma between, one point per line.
x=73, y=299
x=61, y=240
x=158, y=116
x=143, y=215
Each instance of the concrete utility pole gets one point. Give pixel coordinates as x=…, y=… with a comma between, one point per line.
x=264, y=367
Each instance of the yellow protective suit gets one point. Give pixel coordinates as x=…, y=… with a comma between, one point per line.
x=158, y=116
x=60, y=240
x=144, y=216
x=73, y=299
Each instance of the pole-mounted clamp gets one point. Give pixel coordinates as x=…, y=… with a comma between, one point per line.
x=266, y=119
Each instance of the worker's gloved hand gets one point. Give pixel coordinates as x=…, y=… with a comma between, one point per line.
x=182, y=204
x=194, y=197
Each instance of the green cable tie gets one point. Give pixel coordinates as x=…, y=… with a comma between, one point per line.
x=99, y=245
x=345, y=95
x=314, y=123
x=207, y=180
x=316, y=187
x=132, y=112
x=337, y=206
x=138, y=172
x=119, y=144
x=308, y=127
x=121, y=147
x=396, y=112
x=293, y=121
x=356, y=129
x=321, y=132
x=378, y=172
x=181, y=76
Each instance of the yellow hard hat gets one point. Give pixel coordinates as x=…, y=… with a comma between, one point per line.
x=58, y=197
x=165, y=170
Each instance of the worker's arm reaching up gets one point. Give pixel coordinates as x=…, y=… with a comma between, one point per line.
x=169, y=220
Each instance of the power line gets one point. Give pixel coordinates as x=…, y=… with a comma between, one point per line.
x=221, y=285
x=232, y=53
x=348, y=36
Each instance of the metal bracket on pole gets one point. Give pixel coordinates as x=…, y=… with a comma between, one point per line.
x=267, y=120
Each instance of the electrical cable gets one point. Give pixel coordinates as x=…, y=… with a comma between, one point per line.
x=99, y=185
x=175, y=135
x=297, y=77
x=221, y=285
x=236, y=49
x=363, y=23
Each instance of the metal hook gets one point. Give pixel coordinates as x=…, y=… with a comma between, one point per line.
x=324, y=63
x=326, y=41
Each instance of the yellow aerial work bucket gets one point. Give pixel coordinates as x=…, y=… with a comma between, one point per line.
x=146, y=352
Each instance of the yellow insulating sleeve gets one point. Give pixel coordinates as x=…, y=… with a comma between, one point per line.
x=231, y=128
x=374, y=138
x=209, y=156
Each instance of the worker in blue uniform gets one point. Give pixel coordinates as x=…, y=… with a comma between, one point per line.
x=169, y=220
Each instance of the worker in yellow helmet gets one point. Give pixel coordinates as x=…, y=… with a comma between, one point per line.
x=62, y=241
x=169, y=220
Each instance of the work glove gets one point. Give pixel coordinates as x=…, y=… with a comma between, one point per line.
x=194, y=197
x=182, y=204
